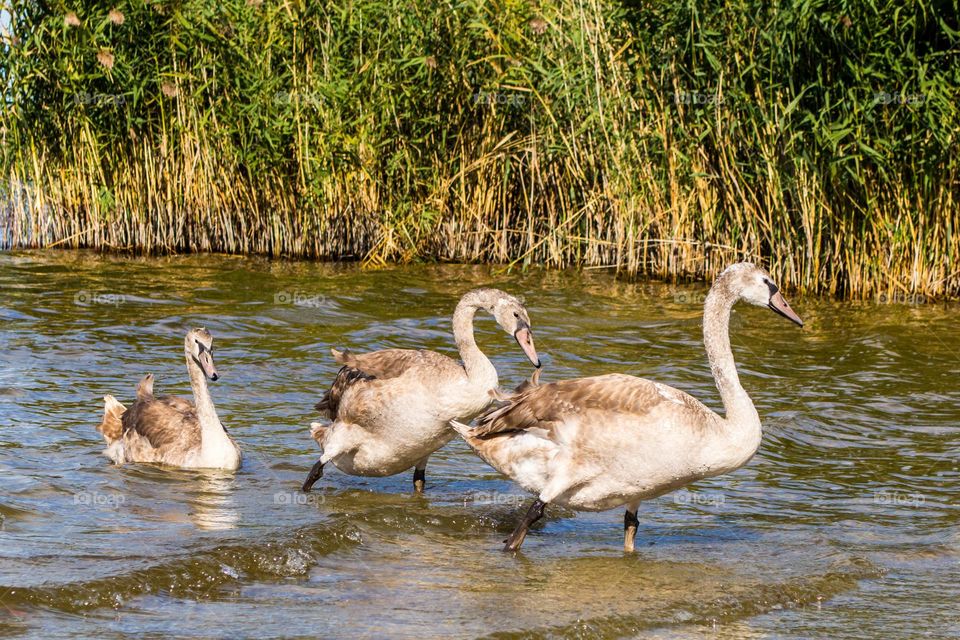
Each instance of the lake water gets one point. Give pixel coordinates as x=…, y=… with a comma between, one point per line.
x=846, y=524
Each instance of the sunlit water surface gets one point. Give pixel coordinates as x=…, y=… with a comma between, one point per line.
x=845, y=525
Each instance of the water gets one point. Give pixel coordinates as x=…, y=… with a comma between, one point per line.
x=845, y=525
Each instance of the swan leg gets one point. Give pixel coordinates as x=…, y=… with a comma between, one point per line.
x=534, y=513
x=420, y=476
x=315, y=474
x=630, y=524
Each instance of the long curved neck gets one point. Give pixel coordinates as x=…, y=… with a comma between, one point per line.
x=737, y=404
x=478, y=367
x=210, y=427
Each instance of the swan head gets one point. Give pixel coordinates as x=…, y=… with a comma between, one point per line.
x=513, y=318
x=199, y=347
x=754, y=285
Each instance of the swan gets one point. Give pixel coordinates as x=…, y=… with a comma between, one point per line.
x=168, y=430
x=594, y=444
x=391, y=409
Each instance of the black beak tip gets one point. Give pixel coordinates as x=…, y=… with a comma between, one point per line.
x=538, y=364
x=215, y=377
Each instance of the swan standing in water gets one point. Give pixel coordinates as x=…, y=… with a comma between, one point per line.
x=168, y=430
x=596, y=443
x=391, y=409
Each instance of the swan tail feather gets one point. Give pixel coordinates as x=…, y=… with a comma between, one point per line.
x=145, y=387
x=319, y=431
x=463, y=429
x=112, y=425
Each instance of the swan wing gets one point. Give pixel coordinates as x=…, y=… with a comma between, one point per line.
x=166, y=423
x=601, y=398
x=391, y=363
x=387, y=364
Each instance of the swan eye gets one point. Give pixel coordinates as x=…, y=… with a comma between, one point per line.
x=516, y=314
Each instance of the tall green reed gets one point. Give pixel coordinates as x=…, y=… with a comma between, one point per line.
x=652, y=139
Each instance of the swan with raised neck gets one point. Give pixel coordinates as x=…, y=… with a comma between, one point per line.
x=168, y=430
x=597, y=443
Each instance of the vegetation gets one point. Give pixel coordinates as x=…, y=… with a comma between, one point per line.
x=663, y=139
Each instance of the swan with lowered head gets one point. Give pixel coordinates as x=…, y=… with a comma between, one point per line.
x=596, y=443
x=391, y=409
x=169, y=430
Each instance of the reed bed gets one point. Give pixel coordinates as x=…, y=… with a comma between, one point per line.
x=818, y=138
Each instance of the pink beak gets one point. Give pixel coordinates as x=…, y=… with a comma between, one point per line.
x=781, y=306
x=206, y=365
x=525, y=340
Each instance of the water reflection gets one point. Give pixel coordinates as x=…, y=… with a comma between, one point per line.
x=213, y=507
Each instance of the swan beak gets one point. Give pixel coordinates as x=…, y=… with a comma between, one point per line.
x=206, y=364
x=525, y=340
x=781, y=306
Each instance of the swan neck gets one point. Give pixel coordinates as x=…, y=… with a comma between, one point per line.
x=716, y=338
x=478, y=367
x=210, y=427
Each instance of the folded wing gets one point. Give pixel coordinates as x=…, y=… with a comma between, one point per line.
x=378, y=365
x=543, y=406
x=167, y=422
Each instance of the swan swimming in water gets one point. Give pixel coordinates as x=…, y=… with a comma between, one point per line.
x=168, y=430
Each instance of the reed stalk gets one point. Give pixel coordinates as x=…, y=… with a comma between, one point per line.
x=656, y=139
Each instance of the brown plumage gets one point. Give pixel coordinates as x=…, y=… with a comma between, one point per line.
x=391, y=409
x=112, y=425
x=330, y=402
x=377, y=365
x=386, y=363
x=526, y=385
x=166, y=422
x=542, y=406
x=169, y=430
x=145, y=387
x=597, y=443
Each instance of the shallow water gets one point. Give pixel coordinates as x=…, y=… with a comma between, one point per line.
x=845, y=525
